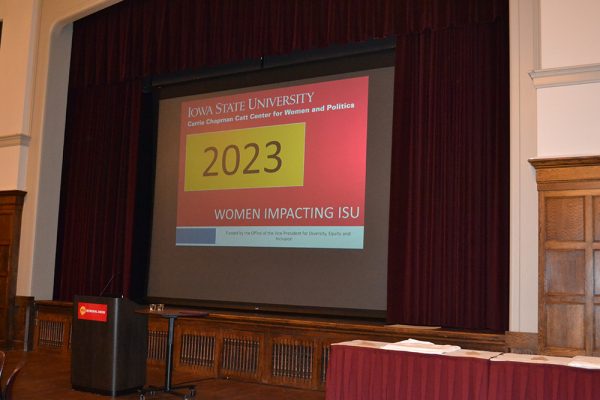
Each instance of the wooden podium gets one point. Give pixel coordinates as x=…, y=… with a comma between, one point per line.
x=108, y=345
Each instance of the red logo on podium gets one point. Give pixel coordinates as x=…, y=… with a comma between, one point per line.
x=92, y=312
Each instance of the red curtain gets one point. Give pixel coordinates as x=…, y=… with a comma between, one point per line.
x=139, y=38
x=444, y=48
x=448, y=241
x=98, y=191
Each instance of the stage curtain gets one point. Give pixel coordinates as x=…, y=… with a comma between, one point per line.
x=140, y=38
x=98, y=188
x=448, y=241
x=115, y=49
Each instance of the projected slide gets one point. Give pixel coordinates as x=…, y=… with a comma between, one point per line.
x=282, y=167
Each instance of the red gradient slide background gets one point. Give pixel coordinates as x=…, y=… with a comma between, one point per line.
x=335, y=157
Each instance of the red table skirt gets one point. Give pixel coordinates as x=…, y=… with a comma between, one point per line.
x=526, y=381
x=375, y=374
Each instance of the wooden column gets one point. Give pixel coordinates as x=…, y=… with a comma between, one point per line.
x=569, y=255
x=11, y=205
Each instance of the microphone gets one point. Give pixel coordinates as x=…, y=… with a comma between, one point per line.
x=112, y=278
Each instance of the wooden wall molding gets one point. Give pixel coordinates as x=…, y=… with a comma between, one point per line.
x=565, y=162
x=568, y=173
x=275, y=350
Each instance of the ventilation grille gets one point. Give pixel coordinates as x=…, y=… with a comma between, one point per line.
x=292, y=360
x=197, y=351
x=157, y=345
x=240, y=355
x=51, y=334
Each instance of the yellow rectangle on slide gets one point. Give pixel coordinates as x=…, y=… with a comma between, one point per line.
x=262, y=157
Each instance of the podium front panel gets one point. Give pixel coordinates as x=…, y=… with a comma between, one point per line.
x=108, y=345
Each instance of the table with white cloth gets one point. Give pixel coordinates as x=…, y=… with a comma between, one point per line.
x=369, y=370
x=364, y=370
x=525, y=377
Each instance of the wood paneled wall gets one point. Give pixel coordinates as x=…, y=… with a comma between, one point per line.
x=276, y=350
x=11, y=206
x=569, y=255
x=23, y=323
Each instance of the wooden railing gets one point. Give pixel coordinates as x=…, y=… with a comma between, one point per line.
x=277, y=350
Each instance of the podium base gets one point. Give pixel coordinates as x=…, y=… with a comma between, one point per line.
x=113, y=393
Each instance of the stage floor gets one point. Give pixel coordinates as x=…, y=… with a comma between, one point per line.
x=47, y=376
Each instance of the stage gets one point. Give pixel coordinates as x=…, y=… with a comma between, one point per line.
x=46, y=375
x=278, y=350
